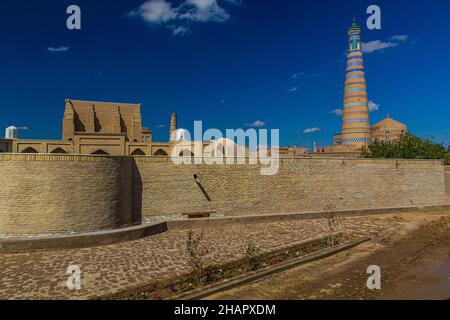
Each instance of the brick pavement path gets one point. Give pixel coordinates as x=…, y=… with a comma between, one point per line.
x=113, y=268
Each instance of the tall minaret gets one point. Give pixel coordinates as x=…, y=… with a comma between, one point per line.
x=173, y=127
x=355, y=117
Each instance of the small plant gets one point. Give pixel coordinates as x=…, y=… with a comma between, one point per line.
x=250, y=258
x=181, y=285
x=211, y=274
x=330, y=214
x=144, y=295
x=196, y=252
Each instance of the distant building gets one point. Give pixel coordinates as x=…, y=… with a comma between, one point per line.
x=293, y=152
x=388, y=130
x=5, y=145
x=337, y=139
x=92, y=127
x=109, y=128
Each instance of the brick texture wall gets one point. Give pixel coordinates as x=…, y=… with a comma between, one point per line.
x=300, y=185
x=447, y=180
x=53, y=193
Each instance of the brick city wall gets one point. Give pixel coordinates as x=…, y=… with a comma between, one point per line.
x=300, y=185
x=54, y=193
x=447, y=180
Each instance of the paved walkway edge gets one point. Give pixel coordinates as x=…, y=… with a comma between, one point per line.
x=270, y=271
x=17, y=245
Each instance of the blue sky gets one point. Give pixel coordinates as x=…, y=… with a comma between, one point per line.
x=229, y=63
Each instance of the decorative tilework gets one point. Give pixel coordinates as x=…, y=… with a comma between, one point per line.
x=355, y=70
x=355, y=140
x=354, y=64
x=356, y=121
x=356, y=104
x=352, y=76
x=355, y=89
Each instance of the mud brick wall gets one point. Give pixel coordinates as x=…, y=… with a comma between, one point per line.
x=59, y=193
x=447, y=180
x=300, y=185
x=54, y=193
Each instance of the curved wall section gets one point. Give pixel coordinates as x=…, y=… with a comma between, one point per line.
x=55, y=193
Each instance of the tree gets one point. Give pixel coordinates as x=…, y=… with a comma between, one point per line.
x=407, y=147
x=447, y=157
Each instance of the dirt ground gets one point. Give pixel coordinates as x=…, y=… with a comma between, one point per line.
x=414, y=262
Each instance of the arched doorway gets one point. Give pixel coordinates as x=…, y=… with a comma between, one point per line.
x=29, y=150
x=160, y=152
x=186, y=153
x=100, y=152
x=59, y=151
x=138, y=152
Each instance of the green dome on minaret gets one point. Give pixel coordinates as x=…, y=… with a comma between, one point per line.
x=354, y=37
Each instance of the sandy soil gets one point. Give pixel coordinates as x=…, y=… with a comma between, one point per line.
x=414, y=262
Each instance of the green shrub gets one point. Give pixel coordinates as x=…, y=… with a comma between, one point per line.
x=196, y=252
x=250, y=258
x=407, y=147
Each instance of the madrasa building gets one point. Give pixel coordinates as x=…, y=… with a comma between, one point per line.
x=109, y=128
x=91, y=127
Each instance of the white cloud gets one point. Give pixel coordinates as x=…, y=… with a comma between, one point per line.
x=235, y=2
x=297, y=75
x=376, y=45
x=155, y=11
x=293, y=89
x=180, y=30
x=203, y=11
x=399, y=37
x=311, y=130
x=158, y=12
x=161, y=126
x=373, y=106
x=58, y=49
x=337, y=112
x=257, y=123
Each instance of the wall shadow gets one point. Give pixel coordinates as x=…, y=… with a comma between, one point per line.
x=137, y=193
x=202, y=189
